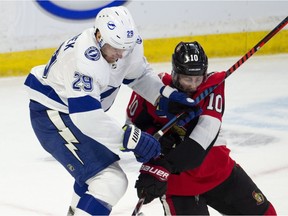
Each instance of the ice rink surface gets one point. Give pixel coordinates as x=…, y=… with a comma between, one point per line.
x=255, y=124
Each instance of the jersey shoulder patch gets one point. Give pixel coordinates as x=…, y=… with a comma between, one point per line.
x=92, y=53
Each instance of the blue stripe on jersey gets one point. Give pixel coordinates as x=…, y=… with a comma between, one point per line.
x=83, y=104
x=127, y=81
x=35, y=84
x=108, y=92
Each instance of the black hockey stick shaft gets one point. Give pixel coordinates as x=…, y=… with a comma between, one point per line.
x=233, y=68
x=157, y=135
x=244, y=58
x=208, y=91
x=257, y=46
x=167, y=126
x=138, y=206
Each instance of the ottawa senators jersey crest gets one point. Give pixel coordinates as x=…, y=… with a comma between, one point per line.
x=258, y=197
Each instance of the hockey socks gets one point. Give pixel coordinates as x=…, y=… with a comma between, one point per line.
x=93, y=206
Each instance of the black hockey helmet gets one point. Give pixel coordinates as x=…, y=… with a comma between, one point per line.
x=189, y=59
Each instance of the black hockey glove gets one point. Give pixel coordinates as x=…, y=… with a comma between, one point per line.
x=169, y=141
x=152, y=182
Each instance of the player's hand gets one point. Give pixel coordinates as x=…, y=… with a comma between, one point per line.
x=173, y=94
x=152, y=181
x=168, y=107
x=170, y=100
x=142, y=144
x=173, y=102
x=169, y=141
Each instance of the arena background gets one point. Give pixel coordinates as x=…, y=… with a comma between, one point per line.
x=31, y=30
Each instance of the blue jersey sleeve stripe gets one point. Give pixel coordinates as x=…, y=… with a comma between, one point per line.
x=35, y=84
x=127, y=81
x=109, y=92
x=83, y=104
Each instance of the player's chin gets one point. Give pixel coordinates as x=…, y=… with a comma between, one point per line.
x=189, y=90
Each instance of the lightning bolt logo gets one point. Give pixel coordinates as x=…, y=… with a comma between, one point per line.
x=71, y=142
x=65, y=132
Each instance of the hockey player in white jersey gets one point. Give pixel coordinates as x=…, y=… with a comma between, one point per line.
x=70, y=95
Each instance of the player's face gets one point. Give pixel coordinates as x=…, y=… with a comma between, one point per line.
x=111, y=54
x=189, y=84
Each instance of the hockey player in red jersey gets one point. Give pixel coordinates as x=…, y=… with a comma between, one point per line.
x=195, y=170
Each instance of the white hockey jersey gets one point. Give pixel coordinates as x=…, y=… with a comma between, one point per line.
x=79, y=81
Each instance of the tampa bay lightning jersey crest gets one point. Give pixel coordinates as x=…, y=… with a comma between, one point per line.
x=92, y=53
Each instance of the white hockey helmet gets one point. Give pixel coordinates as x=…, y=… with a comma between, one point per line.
x=117, y=27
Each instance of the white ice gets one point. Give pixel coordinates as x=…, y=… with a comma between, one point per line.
x=255, y=124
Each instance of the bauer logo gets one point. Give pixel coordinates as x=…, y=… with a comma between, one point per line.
x=92, y=53
x=77, y=10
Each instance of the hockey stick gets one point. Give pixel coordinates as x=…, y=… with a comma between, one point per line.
x=138, y=206
x=244, y=58
x=157, y=135
x=208, y=91
x=233, y=68
x=168, y=126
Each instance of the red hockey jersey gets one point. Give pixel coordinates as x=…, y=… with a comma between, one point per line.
x=217, y=165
